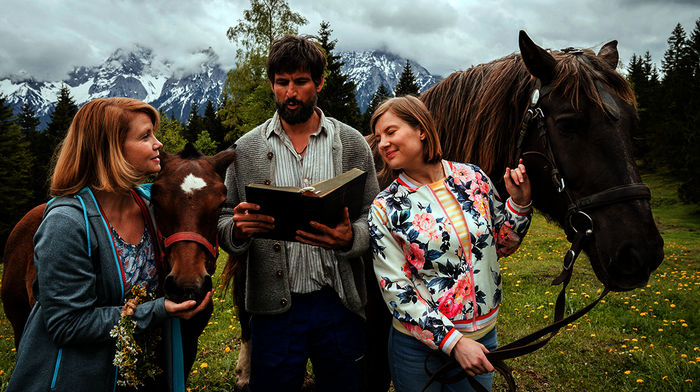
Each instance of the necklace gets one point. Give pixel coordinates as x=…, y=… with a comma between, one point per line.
x=302, y=150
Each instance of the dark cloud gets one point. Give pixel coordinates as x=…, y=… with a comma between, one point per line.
x=46, y=38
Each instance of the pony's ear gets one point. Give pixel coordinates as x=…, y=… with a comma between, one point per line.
x=222, y=160
x=608, y=53
x=537, y=60
x=164, y=158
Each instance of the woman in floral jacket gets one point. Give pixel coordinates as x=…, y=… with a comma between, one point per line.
x=437, y=232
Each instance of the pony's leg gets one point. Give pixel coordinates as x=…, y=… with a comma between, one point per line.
x=242, y=370
x=243, y=367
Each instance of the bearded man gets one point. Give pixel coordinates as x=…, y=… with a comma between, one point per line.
x=306, y=297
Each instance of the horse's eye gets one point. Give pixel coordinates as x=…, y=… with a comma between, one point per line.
x=569, y=124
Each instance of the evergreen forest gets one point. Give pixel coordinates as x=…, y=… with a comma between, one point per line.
x=667, y=101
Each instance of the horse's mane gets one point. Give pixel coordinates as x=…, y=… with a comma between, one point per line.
x=478, y=110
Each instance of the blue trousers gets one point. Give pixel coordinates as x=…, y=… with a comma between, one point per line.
x=317, y=327
x=407, y=364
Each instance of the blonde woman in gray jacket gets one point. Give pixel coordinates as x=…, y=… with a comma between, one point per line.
x=93, y=245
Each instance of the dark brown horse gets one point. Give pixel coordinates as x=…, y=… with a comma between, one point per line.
x=577, y=147
x=187, y=196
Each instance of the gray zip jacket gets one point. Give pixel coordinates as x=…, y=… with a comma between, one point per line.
x=80, y=292
x=267, y=283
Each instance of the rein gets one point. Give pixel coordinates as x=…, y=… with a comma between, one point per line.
x=576, y=214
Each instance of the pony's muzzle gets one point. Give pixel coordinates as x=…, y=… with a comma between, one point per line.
x=178, y=291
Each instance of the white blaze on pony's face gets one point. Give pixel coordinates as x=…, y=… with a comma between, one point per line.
x=192, y=183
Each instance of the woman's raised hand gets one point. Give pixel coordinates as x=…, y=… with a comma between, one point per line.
x=518, y=184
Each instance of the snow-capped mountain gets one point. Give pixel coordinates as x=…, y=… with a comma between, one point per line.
x=369, y=69
x=137, y=73
x=140, y=74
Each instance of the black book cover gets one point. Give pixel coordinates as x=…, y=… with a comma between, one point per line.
x=293, y=208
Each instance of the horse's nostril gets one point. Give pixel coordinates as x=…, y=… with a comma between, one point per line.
x=171, y=288
x=629, y=268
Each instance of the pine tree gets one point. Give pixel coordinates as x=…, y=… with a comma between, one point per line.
x=195, y=124
x=407, y=82
x=677, y=67
x=246, y=96
x=677, y=137
x=62, y=115
x=15, y=170
x=170, y=134
x=694, y=48
x=29, y=122
x=205, y=144
x=44, y=146
x=27, y=119
x=212, y=123
x=337, y=98
x=380, y=95
x=644, y=80
x=689, y=190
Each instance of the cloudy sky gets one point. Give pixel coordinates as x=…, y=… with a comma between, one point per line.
x=47, y=38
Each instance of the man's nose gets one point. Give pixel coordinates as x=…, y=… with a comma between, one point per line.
x=291, y=91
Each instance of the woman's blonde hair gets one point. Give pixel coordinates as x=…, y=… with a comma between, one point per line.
x=413, y=112
x=92, y=153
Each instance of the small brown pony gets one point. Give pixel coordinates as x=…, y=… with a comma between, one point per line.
x=187, y=196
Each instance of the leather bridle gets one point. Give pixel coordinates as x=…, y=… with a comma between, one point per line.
x=190, y=236
x=576, y=212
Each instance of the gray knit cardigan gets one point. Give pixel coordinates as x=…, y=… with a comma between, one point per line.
x=267, y=283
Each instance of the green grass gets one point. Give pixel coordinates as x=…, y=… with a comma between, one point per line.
x=643, y=340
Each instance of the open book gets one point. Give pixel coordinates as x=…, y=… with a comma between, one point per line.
x=293, y=208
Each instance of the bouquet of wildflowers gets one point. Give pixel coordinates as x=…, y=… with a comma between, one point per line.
x=135, y=355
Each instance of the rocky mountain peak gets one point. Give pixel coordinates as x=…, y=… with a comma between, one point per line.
x=140, y=73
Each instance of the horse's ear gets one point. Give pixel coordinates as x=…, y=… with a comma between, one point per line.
x=222, y=160
x=164, y=158
x=609, y=54
x=537, y=60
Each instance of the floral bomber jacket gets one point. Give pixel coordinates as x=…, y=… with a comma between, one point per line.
x=435, y=282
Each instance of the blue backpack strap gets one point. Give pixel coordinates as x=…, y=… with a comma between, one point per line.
x=175, y=359
x=144, y=190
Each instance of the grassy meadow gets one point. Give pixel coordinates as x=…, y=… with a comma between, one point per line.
x=643, y=340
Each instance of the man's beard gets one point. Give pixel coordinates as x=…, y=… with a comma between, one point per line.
x=299, y=115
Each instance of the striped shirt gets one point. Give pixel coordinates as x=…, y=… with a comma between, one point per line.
x=310, y=267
